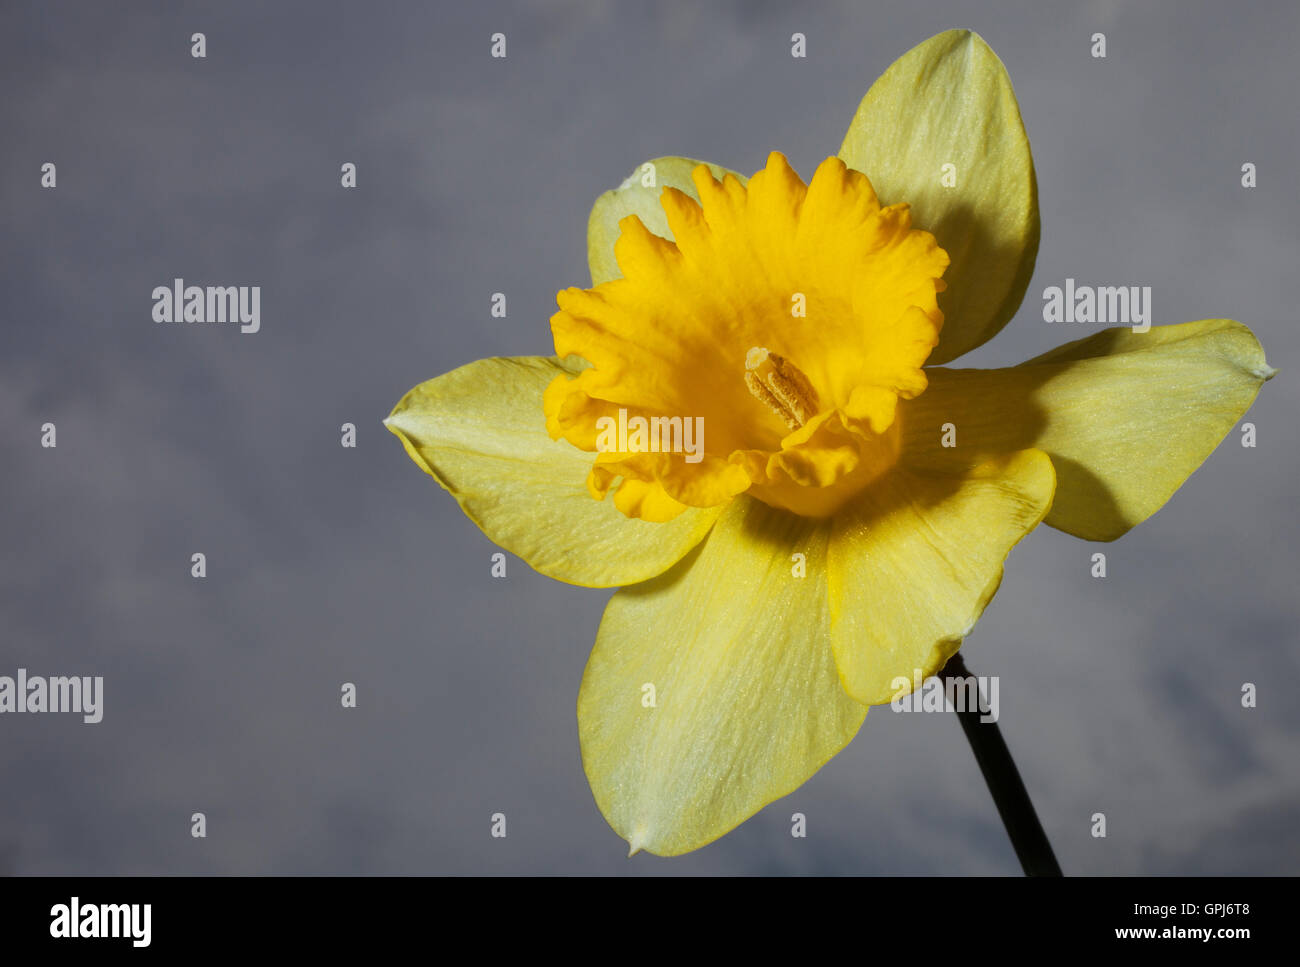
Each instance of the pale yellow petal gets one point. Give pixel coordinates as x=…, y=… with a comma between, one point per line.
x=481, y=433
x=734, y=649
x=1125, y=416
x=639, y=195
x=915, y=560
x=949, y=102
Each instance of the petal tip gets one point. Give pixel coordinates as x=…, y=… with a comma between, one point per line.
x=637, y=841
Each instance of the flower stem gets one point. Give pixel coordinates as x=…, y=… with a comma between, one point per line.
x=1009, y=795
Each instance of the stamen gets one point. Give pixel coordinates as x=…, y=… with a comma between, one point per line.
x=778, y=383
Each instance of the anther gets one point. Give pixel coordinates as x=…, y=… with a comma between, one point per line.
x=778, y=383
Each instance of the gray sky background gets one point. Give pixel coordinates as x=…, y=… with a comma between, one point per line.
x=476, y=175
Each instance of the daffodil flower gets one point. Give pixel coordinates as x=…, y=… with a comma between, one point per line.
x=847, y=516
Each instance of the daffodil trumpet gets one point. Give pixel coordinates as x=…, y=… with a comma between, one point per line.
x=846, y=517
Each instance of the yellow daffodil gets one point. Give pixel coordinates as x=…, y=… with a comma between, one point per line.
x=841, y=515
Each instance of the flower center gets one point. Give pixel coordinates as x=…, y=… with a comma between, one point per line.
x=781, y=385
x=667, y=340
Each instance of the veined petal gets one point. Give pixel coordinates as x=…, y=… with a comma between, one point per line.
x=915, y=559
x=1125, y=416
x=746, y=700
x=480, y=432
x=948, y=101
x=639, y=196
